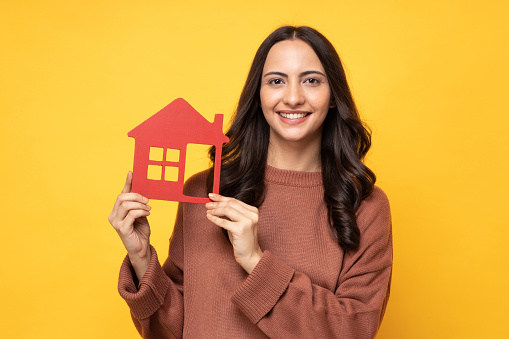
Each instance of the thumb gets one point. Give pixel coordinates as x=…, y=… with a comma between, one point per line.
x=128, y=182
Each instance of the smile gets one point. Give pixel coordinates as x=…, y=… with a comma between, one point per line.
x=292, y=115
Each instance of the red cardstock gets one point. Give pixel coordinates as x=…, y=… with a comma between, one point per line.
x=160, y=146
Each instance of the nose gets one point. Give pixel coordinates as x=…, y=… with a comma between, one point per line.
x=294, y=95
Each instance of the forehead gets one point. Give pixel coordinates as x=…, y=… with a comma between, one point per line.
x=292, y=55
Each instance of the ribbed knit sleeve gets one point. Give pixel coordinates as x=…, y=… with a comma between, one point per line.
x=148, y=297
x=263, y=287
x=287, y=304
x=157, y=303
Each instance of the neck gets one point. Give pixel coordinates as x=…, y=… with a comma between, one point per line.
x=296, y=156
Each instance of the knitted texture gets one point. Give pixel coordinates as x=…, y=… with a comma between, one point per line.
x=304, y=286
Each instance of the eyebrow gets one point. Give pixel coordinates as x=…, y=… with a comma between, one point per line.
x=284, y=75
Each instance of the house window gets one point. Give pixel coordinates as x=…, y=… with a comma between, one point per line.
x=154, y=172
x=156, y=154
x=163, y=164
x=172, y=154
x=171, y=173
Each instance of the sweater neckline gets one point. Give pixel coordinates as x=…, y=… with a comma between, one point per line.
x=292, y=178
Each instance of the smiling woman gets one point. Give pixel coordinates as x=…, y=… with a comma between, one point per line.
x=308, y=246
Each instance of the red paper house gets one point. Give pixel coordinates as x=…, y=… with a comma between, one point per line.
x=160, y=150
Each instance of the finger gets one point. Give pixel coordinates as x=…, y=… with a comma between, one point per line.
x=125, y=189
x=134, y=205
x=249, y=207
x=128, y=206
x=222, y=208
x=122, y=197
x=132, y=197
x=228, y=212
x=216, y=197
x=237, y=221
x=128, y=183
x=126, y=225
x=219, y=200
x=223, y=223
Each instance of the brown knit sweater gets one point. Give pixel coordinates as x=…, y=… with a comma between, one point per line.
x=304, y=286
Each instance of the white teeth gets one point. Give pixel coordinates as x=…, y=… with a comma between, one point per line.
x=292, y=115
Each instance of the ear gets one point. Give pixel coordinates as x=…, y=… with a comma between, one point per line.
x=332, y=102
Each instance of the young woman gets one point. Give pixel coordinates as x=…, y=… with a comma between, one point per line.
x=308, y=245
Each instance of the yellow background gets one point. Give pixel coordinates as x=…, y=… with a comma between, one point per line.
x=430, y=77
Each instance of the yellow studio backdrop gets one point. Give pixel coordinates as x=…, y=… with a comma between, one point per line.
x=430, y=78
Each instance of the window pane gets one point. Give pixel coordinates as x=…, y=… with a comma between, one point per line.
x=172, y=154
x=171, y=173
x=156, y=154
x=154, y=172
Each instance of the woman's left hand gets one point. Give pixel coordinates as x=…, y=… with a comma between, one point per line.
x=241, y=222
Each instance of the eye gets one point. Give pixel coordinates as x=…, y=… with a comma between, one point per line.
x=312, y=81
x=276, y=81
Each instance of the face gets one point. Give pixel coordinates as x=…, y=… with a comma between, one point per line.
x=294, y=93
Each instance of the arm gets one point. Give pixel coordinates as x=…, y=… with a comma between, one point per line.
x=156, y=302
x=286, y=304
x=153, y=293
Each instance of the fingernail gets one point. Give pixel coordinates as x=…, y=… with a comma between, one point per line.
x=212, y=195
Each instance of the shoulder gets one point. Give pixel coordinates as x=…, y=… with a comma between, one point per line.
x=377, y=200
x=196, y=185
x=374, y=213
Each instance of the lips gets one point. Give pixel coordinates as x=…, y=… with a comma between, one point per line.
x=293, y=117
x=291, y=114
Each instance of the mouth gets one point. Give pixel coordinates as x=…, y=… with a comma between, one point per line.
x=293, y=115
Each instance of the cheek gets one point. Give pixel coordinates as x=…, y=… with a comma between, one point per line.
x=266, y=98
x=321, y=101
x=267, y=114
x=264, y=104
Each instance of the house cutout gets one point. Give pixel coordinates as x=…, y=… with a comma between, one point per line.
x=160, y=151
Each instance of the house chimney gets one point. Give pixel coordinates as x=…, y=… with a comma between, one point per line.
x=218, y=120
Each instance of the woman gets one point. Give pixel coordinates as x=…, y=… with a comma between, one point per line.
x=308, y=251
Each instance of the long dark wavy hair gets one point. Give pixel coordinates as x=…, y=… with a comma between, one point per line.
x=345, y=141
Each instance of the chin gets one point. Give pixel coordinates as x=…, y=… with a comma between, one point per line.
x=295, y=138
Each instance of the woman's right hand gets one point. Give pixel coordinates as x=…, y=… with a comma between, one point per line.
x=129, y=219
